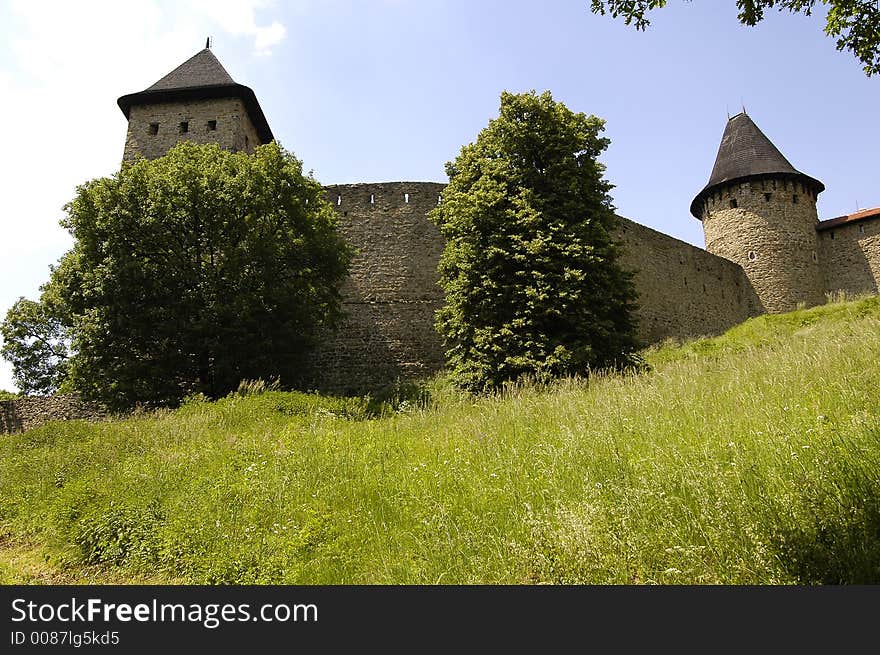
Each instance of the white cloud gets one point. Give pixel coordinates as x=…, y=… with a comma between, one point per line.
x=269, y=36
x=62, y=67
x=238, y=18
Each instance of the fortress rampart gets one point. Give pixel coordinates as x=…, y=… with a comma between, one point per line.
x=684, y=291
x=392, y=293
x=850, y=254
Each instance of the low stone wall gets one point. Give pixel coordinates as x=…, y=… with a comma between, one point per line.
x=29, y=412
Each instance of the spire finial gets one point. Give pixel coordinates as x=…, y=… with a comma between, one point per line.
x=208, y=43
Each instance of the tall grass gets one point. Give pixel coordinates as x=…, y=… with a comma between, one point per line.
x=750, y=458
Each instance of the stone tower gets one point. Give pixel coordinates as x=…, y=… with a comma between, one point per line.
x=760, y=212
x=197, y=101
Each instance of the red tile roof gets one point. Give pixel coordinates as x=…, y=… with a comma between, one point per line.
x=863, y=215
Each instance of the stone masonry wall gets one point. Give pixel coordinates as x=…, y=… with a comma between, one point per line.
x=392, y=293
x=850, y=257
x=25, y=413
x=769, y=228
x=234, y=130
x=684, y=291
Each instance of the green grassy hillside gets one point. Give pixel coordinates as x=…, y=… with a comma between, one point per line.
x=753, y=457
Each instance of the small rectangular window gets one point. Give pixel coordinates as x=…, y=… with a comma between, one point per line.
x=212, y=126
x=184, y=127
x=861, y=229
x=154, y=129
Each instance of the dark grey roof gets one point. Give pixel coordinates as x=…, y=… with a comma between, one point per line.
x=746, y=153
x=202, y=69
x=201, y=77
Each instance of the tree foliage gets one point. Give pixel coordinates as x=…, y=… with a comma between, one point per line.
x=530, y=269
x=854, y=23
x=188, y=274
x=35, y=341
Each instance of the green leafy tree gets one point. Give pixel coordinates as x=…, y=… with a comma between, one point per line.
x=192, y=272
x=35, y=341
x=530, y=270
x=854, y=23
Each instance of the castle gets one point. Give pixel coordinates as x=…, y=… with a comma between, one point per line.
x=766, y=250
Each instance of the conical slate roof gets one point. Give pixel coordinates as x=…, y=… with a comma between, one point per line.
x=201, y=77
x=746, y=153
x=202, y=69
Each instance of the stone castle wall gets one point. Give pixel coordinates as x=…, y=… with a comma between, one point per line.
x=233, y=127
x=769, y=228
x=392, y=293
x=850, y=256
x=29, y=412
x=684, y=291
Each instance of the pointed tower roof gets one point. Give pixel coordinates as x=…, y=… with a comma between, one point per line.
x=201, y=77
x=746, y=153
x=202, y=69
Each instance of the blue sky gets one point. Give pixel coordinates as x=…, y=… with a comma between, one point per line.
x=380, y=90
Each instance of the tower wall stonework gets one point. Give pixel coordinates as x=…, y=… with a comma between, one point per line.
x=234, y=129
x=768, y=227
x=850, y=256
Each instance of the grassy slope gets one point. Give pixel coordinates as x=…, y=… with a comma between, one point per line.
x=750, y=458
